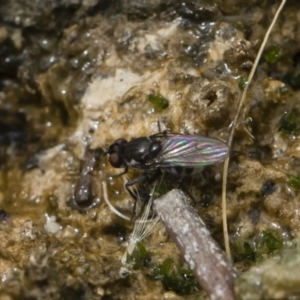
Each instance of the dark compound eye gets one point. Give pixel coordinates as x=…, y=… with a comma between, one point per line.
x=115, y=160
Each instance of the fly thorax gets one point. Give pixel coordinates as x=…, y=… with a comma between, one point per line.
x=133, y=163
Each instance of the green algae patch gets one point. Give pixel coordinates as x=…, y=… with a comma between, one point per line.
x=254, y=250
x=139, y=257
x=176, y=278
x=271, y=241
x=275, y=278
x=158, y=101
x=244, y=251
x=290, y=122
x=272, y=56
x=243, y=83
x=293, y=181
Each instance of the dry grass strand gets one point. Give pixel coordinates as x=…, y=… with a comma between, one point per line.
x=234, y=123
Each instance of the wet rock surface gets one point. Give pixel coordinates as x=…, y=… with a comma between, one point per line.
x=76, y=75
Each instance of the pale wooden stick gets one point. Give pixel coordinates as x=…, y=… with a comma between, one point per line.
x=210, y=265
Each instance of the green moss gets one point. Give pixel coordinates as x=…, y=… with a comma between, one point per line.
x=244, y=251
x=272, y=55
x=158, y=101
x=243, y=83
x=293, y=181
x=290, y=122
x=138, y=257
x=178, y=279
x=253, y=250
x=271, y=241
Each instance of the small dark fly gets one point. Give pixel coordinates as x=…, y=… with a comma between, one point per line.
x=178, y=154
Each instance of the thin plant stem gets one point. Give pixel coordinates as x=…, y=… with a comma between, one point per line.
x=234, y=123
x=111, y=207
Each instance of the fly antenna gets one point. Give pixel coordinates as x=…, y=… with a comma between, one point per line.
x=105, y=152
x=158, y=126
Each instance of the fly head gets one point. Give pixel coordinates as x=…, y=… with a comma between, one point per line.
x=116, y=153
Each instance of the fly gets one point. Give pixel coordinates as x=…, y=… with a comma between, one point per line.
x=175, y=153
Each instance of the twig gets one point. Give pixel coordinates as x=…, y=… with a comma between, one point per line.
x=210, y=265
x=241, y=103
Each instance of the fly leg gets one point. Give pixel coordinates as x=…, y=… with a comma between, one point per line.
x=163, y=121
x=141, y=179
x=146, y=179
x=179, y=184
x=137, y=180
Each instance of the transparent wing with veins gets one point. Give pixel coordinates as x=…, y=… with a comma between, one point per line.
x=189, y=151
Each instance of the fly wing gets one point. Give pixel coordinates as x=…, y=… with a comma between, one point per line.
x=190, y=151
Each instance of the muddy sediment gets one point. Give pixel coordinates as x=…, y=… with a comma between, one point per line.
x=76, y=75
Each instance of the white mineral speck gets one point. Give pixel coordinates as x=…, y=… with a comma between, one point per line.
x=51, y=225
